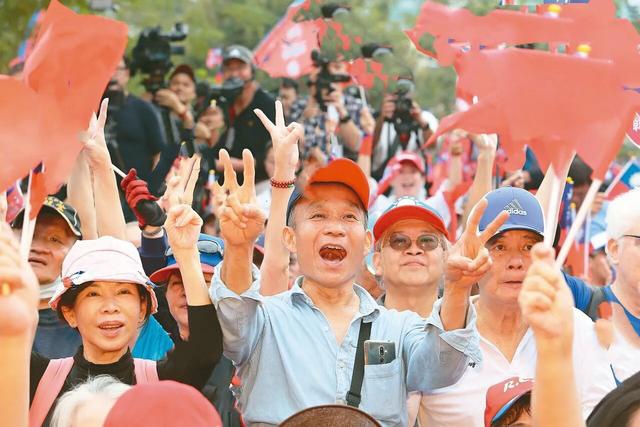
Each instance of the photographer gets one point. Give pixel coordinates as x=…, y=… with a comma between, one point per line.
x=329, y=110
x=402, y=126
x=134, y=130
x=242, y=129
x=179, y=95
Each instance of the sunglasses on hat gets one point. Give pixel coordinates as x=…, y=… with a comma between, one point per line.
x=204, y=246
x=402, y=242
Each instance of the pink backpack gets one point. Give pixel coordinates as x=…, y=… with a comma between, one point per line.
x=53, y=380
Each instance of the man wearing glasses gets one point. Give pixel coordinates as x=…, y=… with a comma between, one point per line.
x=411, y=242
x=623, y=295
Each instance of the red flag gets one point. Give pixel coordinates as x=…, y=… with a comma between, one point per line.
x=555, y=103
x=365, y=72
x=64, y=77
x=15, y=201
x=286, y=50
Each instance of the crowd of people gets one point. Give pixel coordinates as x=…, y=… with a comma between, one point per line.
x=276, y=253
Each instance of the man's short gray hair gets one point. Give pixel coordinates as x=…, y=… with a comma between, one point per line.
x=69, y=403
x=623, y=213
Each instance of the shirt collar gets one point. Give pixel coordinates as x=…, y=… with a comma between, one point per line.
x=369, y=308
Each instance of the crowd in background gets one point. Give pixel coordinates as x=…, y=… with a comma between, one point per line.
x=263, y=257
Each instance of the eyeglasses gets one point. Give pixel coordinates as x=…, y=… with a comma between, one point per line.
x=204, y=246
x=402, y=242
x=634, y=236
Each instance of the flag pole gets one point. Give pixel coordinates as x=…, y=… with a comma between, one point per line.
x=551, y=217
x=28, y=225
x=587, y=244
x=577, y=223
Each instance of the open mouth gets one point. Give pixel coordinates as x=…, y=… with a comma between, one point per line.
x=34, y=261
x=111, y=328
x=333, y=253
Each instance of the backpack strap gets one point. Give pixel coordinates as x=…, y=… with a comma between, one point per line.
x=146, y=371
x=48, y=389
x=354, y=394
x=597, y=297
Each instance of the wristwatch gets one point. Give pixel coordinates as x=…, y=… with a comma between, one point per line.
x=345, y=119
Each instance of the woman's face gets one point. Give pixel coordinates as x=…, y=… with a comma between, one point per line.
x=107, y=315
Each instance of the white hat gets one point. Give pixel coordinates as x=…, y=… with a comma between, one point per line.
x=105, y=259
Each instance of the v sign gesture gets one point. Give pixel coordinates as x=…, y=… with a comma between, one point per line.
x=285, y=143
x=469, y=260
x=241, y=220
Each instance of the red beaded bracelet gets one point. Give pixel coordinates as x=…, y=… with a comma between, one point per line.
x=282, y=184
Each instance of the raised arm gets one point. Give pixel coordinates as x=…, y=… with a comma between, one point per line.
x=80, y=196
x=241, y=221
x=466, y=263
x=482, y=184
x=274, y=270
x=547, y=305
x=19, y=298
x=109, y=217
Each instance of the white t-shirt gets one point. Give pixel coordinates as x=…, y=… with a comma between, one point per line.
x=463, y=403
x=624, y=357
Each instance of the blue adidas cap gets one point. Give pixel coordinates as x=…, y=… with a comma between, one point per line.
x=211, y=251
x=524, y=210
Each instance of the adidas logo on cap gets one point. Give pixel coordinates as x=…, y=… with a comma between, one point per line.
x=515, y=208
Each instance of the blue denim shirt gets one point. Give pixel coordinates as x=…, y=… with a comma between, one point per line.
x=288, y=357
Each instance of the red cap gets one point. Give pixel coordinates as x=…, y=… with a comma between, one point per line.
x=346, y=172
x=183, y=69
x=408, y=208
x=408, y=157
x=164, y=403
x=501, y=396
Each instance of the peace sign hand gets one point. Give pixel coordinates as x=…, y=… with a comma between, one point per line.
x=469, y=260
x=241, y=219
x=285, y=143
x=94, y=142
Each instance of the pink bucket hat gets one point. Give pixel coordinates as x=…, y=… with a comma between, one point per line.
x=105, y=259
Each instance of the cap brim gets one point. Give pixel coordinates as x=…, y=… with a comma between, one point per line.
x=20, y=218
x=346, y=172
x=401, y=213
x=160, y=277
x=511, y=227
x=508, y=405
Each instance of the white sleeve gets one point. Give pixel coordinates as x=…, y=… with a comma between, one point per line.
x=594, y=377
x=438, y=202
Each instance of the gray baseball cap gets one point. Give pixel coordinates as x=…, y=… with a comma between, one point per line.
x=237, y=51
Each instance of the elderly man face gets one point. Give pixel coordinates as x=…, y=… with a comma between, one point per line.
x=511, y=255
x=419, y=263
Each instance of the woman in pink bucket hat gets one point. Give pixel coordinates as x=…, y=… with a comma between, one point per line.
x=106, y=295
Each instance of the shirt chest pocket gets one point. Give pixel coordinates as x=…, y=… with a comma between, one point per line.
x=383, y=391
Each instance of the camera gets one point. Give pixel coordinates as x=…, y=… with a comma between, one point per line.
x=223, y=95
x=152, y=54
x=402, y=119
x=325, y=79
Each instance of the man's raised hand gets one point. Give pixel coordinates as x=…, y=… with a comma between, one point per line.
x=241, y=219
x=546, y=301
x=469, y=260
x=19, y=290
x=285, y=143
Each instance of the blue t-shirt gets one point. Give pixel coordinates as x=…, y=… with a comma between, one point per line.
x=582, y=294
x=153, y=342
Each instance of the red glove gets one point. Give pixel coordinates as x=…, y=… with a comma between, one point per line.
x=141, y=202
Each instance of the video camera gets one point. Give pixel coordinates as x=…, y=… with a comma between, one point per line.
x=325, y=79
x=402, y=119
x=222, y=95
x=152, y=54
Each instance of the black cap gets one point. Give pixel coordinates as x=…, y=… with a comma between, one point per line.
x=66, y=211
x=184, y=69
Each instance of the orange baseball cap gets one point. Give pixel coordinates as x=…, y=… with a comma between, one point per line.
x=338, y=171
